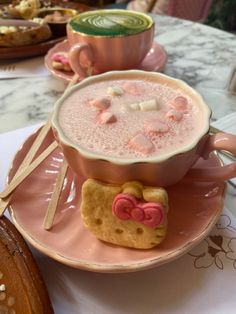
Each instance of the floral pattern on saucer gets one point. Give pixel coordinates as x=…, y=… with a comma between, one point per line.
x=218, y=247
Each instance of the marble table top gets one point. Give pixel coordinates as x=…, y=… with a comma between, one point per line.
x=202, y=56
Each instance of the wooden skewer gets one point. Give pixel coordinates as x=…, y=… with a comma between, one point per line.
x=27, y=170
x=28, y=166
x=27, y=160
x=3, y=204
x=52, y=206
x=5, y=196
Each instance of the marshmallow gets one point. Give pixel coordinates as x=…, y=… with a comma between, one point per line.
x=149, y=105
x=179, y=103
x=100, y=104
x=141, y=143
x=134, y=107
x=131, y=88
x=107, y=117
x=115, y=91
x=155, y=127
x=174, y=115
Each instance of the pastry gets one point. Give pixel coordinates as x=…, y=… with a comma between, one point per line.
x=22, y=289
x=131, y=215
x=15, y=33
x=26, y=9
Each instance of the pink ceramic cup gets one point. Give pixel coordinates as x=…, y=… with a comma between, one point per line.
x=161, y=170
x=106, y=40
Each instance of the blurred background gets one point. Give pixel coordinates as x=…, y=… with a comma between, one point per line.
x=217, y=13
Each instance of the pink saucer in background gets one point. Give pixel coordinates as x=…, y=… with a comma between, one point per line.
x=194, y=209
x=155, y=60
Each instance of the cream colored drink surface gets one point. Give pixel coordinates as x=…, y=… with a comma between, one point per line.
x=130, y=118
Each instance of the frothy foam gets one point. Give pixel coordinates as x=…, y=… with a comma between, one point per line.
x=129, y=135
x=110, y=23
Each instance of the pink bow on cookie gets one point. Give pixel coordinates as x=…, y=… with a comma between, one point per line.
x=127, y=207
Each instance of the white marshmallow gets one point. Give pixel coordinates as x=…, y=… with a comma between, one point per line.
x=149, y=105
x=134, y=106
x=115, y=91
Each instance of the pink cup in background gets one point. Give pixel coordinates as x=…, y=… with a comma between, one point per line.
x=162, y=170
x=115, y=40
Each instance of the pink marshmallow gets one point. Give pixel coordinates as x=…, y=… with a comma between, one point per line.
x=174, y=115
x=107, y=117
x=131, y=88
x=101, y=103
x=179, y=103
x=155, y=127
x=141, y=144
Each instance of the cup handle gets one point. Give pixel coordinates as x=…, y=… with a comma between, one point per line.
x=75, y=56
x=219, y=141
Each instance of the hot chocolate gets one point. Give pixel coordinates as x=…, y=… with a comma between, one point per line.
x=140, y=126
x=131, y=118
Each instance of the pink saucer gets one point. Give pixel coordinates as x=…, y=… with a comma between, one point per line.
x=155, y=60
x=194, y=210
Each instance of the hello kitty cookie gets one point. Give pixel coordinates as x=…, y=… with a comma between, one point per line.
x=131, y=215
x=60, y=62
